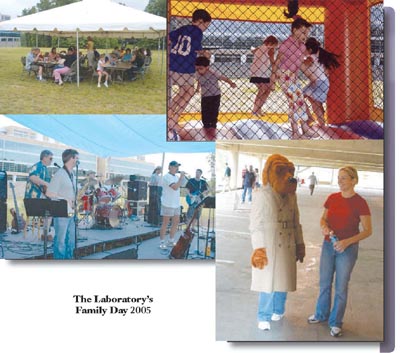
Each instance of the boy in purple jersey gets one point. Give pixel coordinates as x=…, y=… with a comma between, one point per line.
x=185, y=44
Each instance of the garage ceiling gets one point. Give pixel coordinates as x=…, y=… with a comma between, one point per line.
x=366, y=155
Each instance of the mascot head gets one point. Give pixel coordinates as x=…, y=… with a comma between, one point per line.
x=279, y=173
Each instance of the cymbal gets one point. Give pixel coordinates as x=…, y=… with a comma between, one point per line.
x=114, y=180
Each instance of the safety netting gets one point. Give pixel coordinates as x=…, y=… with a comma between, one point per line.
x=307, y=69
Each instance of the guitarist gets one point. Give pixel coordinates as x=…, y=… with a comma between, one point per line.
x=39, y=179
x=197, y=188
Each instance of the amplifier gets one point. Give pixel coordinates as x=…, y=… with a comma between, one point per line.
x=137, y=190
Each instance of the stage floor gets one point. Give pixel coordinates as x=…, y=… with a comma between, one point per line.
x=135, y=239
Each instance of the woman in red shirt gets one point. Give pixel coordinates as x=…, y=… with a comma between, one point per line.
x=344, y=211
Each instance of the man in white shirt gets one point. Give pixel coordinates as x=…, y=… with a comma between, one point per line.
x=170, y=203
x=62, y=186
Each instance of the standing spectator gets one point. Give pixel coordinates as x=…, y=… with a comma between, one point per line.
x=156, y=179
x=90, y=52
x=248, y=184
x=227, y=178
x=343, y=213
x=312, y=182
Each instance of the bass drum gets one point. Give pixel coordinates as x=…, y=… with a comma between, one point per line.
x=108, y=216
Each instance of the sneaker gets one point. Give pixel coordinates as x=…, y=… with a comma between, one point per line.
x=264, y=325
x=60, y=83
x=106, y=84
x=336, y=331
x=171, y=243
x=276, y=317
x=313, y=320
x=163, y=245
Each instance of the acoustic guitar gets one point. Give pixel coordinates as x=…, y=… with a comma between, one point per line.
x=18, y=222
x=180, y=250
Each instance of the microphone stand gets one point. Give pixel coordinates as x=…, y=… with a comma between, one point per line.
x=76, y=210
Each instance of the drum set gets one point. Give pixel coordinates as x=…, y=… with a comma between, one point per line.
x=99, y=207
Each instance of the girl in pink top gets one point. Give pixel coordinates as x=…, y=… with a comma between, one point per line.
x=290, y=58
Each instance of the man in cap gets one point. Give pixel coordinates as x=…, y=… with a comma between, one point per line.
x=170, y=203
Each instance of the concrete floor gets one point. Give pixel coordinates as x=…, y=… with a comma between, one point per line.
x=236, y=305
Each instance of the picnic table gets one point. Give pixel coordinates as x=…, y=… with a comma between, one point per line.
x=118, y=70
x=48, y=67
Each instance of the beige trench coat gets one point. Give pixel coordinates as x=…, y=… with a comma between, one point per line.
x=275, y=225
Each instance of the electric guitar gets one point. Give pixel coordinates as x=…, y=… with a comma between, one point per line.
x=195, y=198
x=18, y=223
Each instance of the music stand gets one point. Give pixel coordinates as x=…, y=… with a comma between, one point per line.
x=46, y=208
x=210, y=204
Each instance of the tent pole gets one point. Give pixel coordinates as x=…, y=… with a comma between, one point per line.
x=162, y=56
x=162, y=161
x=78, y=64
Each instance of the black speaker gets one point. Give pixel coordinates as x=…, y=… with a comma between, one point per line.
x=137, y=190
x=154, y=192
x=3, y=185
x=3, y=215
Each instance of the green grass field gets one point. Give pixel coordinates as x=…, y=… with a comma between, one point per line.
x=23, y=94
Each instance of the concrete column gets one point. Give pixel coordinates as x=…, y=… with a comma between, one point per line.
x=235, y=166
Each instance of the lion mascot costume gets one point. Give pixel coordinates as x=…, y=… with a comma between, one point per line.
x=277, y=239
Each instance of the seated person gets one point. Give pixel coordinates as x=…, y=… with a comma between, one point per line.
x=70, y=58
x=116, y=52
x=127, y=56
x=137, y=63
x=111, y=59
x=53, y=55
x=31, y=63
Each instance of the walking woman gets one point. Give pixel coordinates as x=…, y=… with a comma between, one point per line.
x=344, y=211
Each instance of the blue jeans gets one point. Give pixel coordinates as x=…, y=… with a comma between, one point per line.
x=343, y=264
x=64, y=238
x=271, y=303
x=245, y=189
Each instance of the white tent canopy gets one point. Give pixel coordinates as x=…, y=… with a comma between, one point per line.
x=98, y=18
x=92, y=17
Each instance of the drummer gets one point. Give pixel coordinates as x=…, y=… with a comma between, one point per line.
x=89, y=184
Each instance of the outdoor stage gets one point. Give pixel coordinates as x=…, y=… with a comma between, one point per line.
x=135, y=240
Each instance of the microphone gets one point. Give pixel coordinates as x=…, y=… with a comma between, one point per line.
x=56, y=165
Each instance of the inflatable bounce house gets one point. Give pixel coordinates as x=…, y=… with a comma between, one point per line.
x=351, y=29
